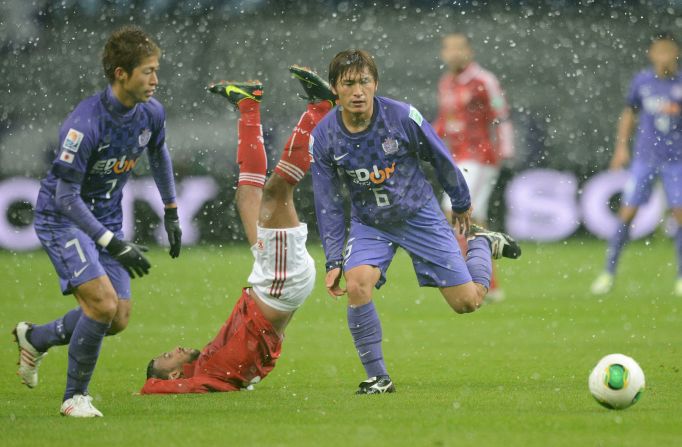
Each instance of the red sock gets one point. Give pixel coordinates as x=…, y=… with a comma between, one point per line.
x=296, y=157
x=251, y=156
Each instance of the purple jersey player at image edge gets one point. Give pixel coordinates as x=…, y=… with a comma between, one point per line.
x=653, y=114
x=78, y=215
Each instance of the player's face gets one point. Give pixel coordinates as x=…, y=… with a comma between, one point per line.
x=456, y=53
x=356, y=91
x=139, y=86
x=663, y=55
x=173, y=360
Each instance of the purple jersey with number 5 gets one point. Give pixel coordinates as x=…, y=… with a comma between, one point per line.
x=381, y=170
x=658, y=102
x=100, y=143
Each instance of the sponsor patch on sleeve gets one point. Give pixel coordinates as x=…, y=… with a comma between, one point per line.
x=67, y=157
x=416, y=116
x=73, y=140
x=311, y=142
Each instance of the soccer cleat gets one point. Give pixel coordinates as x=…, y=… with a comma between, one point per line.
x=603, y=284
x=79, y=406
x=501, y=244
x=678, y=287
x=237, y=91
x=376, y=385
x=316, y=88
x=29, y=357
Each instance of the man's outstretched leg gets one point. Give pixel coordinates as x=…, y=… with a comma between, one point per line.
x=267, y=210
x=482, y=247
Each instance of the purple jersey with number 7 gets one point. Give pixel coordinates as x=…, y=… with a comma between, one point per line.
x=100, y=143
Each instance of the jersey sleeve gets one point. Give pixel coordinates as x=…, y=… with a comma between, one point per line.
x=196, y=384
x=78, y=142
x=431, y=148
x=69, y=202
x=633, y=98
x=160, y=162
x=331, y=221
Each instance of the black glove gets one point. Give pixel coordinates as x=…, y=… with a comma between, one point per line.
x=130, y=256
x=172, y=224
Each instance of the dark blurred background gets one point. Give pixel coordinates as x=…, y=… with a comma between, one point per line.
x=565, y=67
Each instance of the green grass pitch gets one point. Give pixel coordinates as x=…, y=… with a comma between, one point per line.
x=513, y=373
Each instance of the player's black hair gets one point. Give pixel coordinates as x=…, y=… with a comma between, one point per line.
x=126, y=48
x=664, y=35
x=351, y=61
x=152, y=373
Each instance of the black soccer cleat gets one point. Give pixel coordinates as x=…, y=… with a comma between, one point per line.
x=237, y=91
x=376, y=385
x=316, y=88
x=501, y=244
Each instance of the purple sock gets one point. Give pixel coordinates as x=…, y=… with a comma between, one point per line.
x=479, y=261
x=86, y=341
x=678, y=249
x=616, y=244
x=54, y=333
x=365, y=328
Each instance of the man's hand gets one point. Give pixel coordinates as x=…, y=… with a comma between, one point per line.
x=461, y=221
x=171, y=222
x=130, y=256
x=331, y=282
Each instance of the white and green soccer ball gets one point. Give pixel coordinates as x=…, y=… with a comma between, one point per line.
x=617, y=381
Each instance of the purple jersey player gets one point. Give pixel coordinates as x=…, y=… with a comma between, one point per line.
x=78, y=213
x=655, y=101
x=373, y=146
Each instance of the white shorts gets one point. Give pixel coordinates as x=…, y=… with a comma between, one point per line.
x=283, y=272
x=481, y=179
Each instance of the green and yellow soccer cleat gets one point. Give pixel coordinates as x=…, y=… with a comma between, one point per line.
x=316, y=88
x=237, y=91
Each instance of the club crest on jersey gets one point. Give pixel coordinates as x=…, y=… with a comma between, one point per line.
x=73, y=140
x=390, y=146
x=144, y=137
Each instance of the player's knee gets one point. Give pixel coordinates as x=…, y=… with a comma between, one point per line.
x=466, y=303
x=105, y=306
x=358, y=291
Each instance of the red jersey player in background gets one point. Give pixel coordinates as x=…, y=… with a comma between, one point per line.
x=249, y=343
x=473, y=120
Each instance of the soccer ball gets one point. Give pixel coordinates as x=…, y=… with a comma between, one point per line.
x=617, y=381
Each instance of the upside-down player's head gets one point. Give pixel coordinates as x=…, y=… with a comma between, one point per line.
x=664, y=53
x=169, y=365
x=354, y=77
x=131, y=61
x=456, y=52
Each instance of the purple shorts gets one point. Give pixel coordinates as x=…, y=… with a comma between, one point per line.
x=642, y=178
x=77, y=259
x=428, y=239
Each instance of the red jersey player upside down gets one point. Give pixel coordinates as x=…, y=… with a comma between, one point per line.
x=248, y=345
